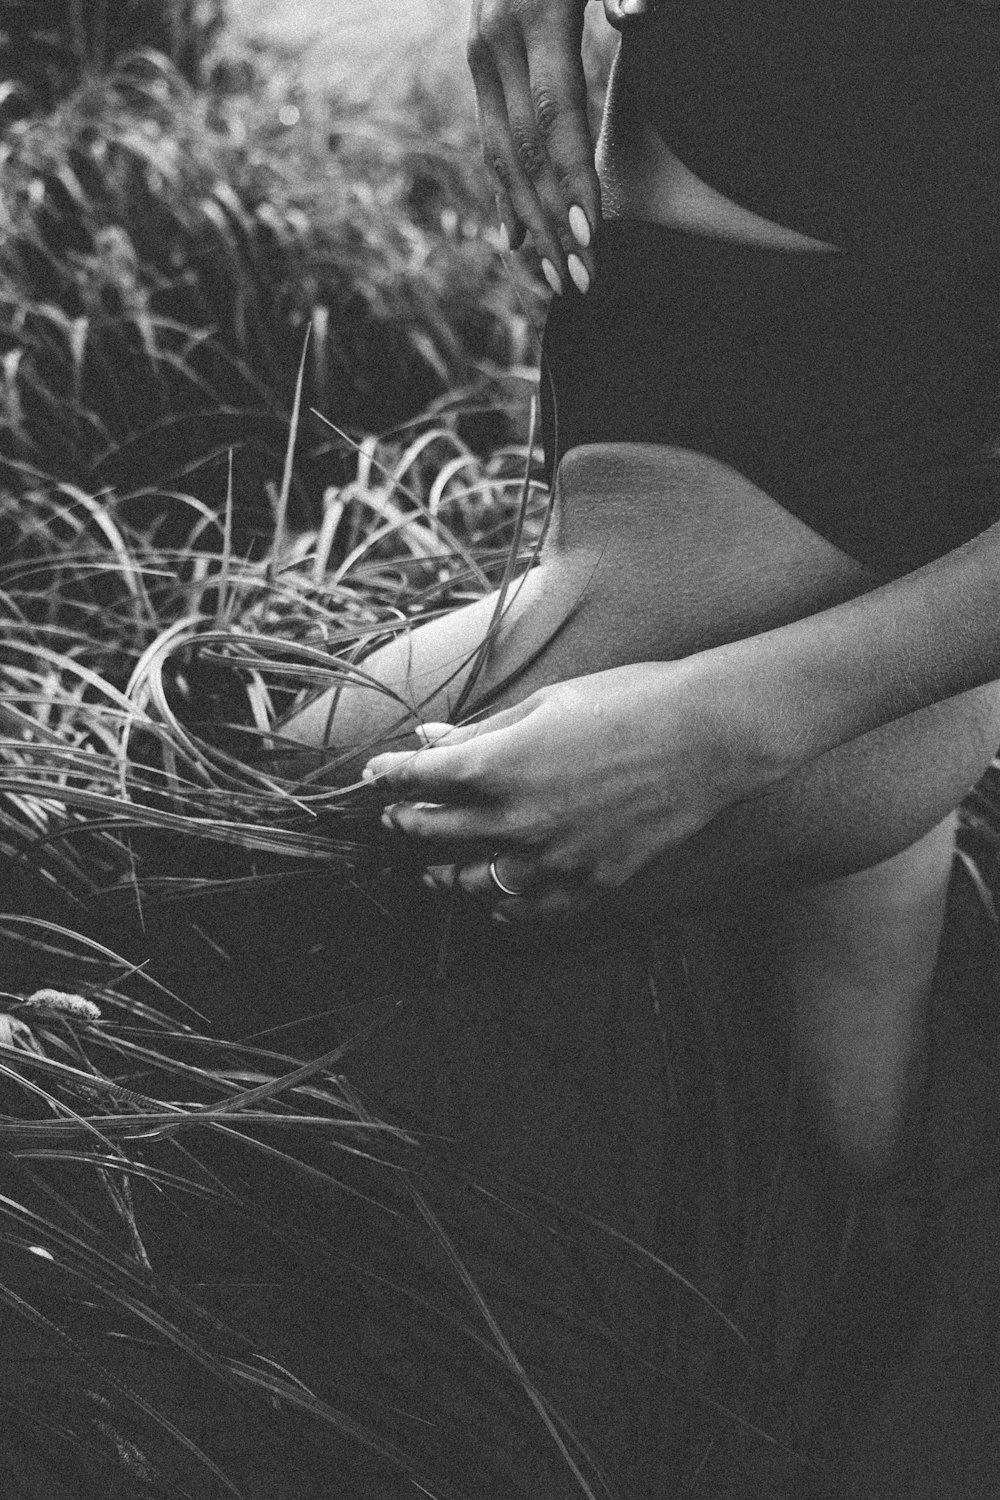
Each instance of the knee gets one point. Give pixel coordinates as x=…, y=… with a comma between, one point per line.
x=866, y=1133
x=607, y=467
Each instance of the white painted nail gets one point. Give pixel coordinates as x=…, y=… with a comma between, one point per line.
x=580, y=225
x=504, y=239
x=581, y=276
x=367, y=774
x=632, y=7
x=552, y=277
x=387, y=822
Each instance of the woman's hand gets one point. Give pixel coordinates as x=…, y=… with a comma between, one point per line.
x=525, y=57
x=573, y=791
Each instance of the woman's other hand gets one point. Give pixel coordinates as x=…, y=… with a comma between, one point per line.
x=527, y=67
x=576, y=789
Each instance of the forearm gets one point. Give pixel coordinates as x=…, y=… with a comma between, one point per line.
x=819, y=682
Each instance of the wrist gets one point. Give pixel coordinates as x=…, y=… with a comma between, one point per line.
x=762, y=708
x=708, y=708
x=802, y=689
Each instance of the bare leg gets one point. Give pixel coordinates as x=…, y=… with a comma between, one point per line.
x=660, y=553
x=858, y=957
x=427, y=668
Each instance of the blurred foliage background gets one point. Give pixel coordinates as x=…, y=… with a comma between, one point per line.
x=183, y=201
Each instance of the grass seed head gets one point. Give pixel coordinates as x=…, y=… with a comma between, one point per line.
x=58, y=1003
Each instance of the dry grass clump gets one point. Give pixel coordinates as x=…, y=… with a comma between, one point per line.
x=139, y=679
x=143, y=679
x=134, y=678
x=108, y=1104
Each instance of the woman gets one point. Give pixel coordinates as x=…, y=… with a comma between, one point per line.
x=771, y=410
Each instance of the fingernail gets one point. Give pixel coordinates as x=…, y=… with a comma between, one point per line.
x=632, y=7
x=429, y=882
x=581, y=276
x=552, y=277
x=580, y=225
x=504, y=239
x=367, y=774
x=499, y=918
x=387, y=822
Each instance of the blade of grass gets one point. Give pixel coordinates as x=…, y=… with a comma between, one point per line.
x=281, y=519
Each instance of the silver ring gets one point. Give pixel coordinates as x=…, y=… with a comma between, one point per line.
x=504, y=890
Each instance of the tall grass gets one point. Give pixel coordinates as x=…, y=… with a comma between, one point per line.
x=47, y=47
x=139, y=681
x=134, y=674
x=164, y=251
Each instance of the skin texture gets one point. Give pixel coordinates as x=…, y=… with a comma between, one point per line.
x=799, y=691
x=681, y=716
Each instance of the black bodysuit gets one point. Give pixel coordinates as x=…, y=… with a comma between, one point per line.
x=861, y=387
x=874, y=124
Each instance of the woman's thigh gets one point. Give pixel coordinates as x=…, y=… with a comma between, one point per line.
x=668, y=552
x=655, y=553
x=852, y=809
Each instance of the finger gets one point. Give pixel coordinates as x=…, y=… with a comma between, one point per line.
x=559, y=99
x=431, y=732
x=452, y=768
x=494, y=34
x=517, y=163
x=476, y=879
x=459, y=734
x=512, y=230
x=463, y=832
x=534, y=106
x=439, y=774
x=541, y=114
x=620, y=12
